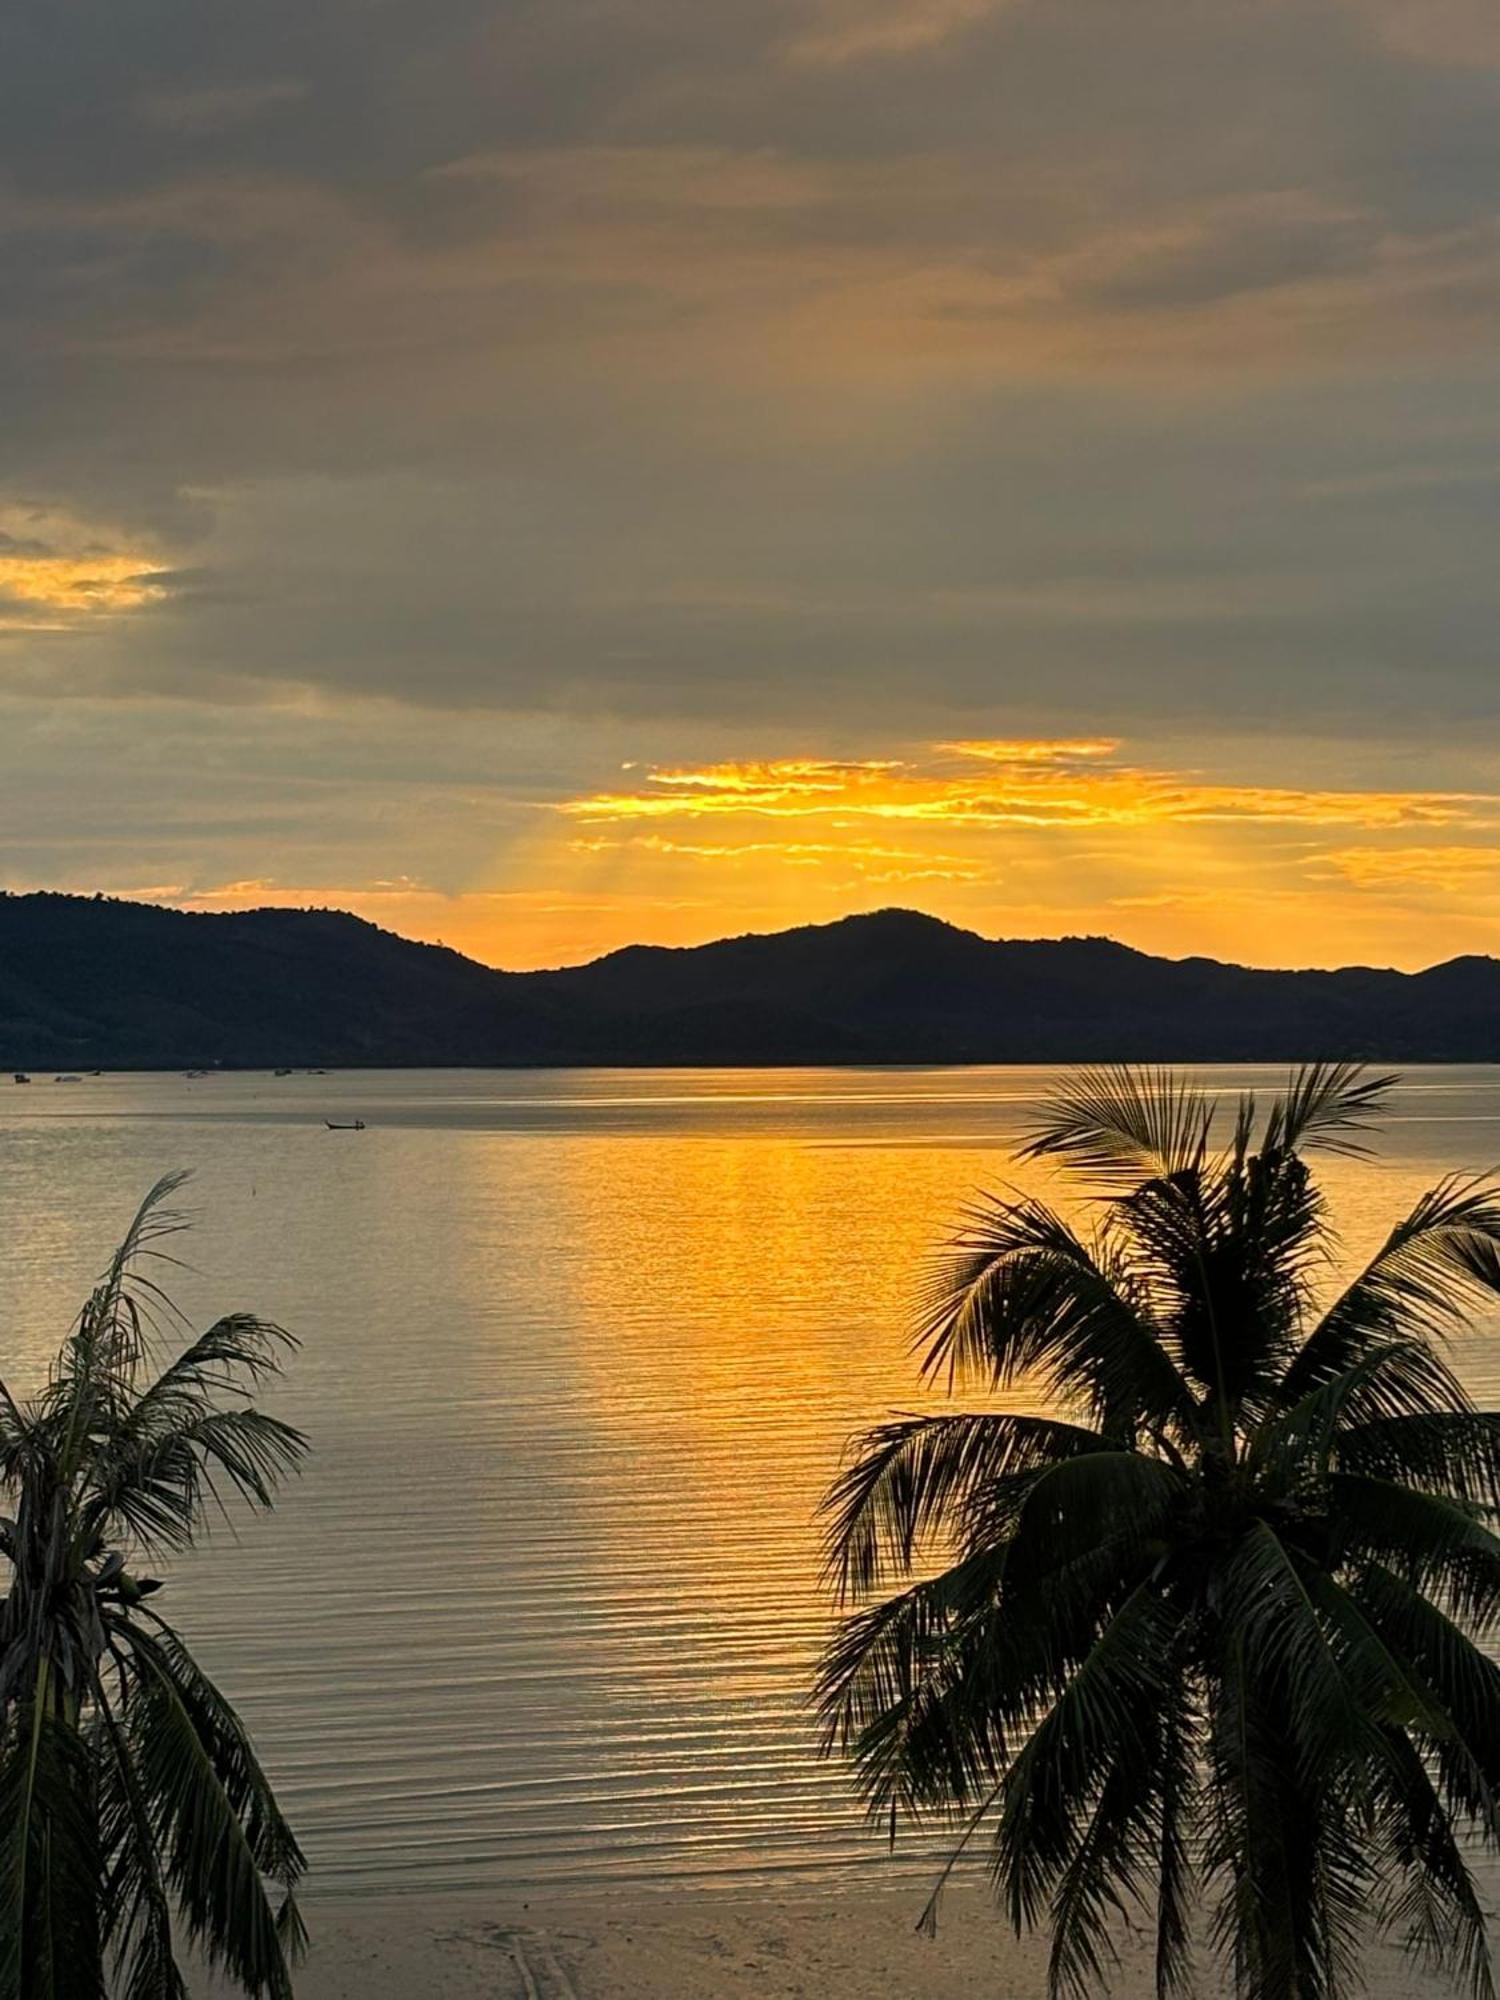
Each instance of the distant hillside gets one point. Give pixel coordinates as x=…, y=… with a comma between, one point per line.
x=99, y=984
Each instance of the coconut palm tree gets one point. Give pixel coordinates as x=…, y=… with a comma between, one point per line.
x=1206, y=1641
x=130, y=1798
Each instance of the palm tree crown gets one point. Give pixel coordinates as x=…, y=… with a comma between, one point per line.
x=1206, y=1639
x=130, y=1797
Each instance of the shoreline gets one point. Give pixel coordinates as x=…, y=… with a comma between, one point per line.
x=845, y=1943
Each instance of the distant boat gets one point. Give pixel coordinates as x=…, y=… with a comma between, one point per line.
x=20, y=1076
x=345, y=1124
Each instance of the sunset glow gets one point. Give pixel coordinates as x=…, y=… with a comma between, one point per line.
x=1017, y=838
x=1034, y=465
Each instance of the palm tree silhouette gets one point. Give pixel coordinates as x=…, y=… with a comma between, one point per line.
x=129, y=1794
x=1205, y=1640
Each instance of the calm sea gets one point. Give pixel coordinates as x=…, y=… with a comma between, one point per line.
x=581, y=1350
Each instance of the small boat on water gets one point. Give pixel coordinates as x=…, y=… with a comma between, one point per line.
x=345, y=1124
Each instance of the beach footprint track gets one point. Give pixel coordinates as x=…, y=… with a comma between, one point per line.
x=539, y=1974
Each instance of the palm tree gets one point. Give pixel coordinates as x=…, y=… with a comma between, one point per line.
x=130, y=1797
x=1205, y=1640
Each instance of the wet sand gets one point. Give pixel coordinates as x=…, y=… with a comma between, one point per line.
x=830, y=1944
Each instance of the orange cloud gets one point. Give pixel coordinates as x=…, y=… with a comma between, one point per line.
x=1042, y=783
x=80, y=585
x=1042, y=750
x=56, y=572
x=1028, y=837
x=870, y=863
x=1448, y=870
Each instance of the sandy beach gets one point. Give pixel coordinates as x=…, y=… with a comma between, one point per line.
x=843, y=1944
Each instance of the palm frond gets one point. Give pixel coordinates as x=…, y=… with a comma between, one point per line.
x=150, y=1481
x=1283, y=1845
x=1461, y=1677
x=1050, y=1784
x=1020, y=1294
x=1436, y=1265
x=892, y=1692
x=915, y=1473
x=108, y=1336
x=1328, y=1107
x=1388, y=1688
x=49, y=1857
x=1267, y=1605
x=1437, y=1543
x=1226, y=1263
x=1108, y=1871
x=1454, y=1451
x=1436, y=1908
x=1393, y=1387
x=136, y=1902
x=220, y=1729
x=930, y=1689
x=1120, y=1126
x=216, y=1835
x=1100, y=1503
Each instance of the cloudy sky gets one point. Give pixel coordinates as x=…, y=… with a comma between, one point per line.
x=544, y=473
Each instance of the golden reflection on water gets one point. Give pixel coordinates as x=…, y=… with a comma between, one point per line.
x=581, y=1354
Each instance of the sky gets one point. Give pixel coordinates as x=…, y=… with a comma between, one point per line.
x=545, y=474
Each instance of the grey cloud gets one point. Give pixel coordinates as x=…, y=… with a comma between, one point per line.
x=628, y=363
x=214, y=109
x=1098, y=570
x=1225, y=257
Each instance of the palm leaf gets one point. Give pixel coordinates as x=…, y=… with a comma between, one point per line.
x=1437, y=1543
x=1048, y=1788
x=1454, y=1451
x=1385, y=1402
x=892, y=1692
x=1329, y=1107
x=49, y=1858
x=1021, y=1295
x=915, y=1472
x=1120, y=1126
x=211, y=1859
x=1462, y=1678
x=137, y=1902
x=1436, y=1909
x=151, y=1480
x=1433, y=1268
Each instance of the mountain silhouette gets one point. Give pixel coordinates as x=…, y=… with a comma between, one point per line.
x=96, y=983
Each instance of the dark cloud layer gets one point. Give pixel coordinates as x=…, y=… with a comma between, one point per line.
x=859, y=357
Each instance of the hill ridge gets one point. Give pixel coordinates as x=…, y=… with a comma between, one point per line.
x=100, y=982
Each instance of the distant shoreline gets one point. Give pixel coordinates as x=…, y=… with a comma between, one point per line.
x=642, y=1067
